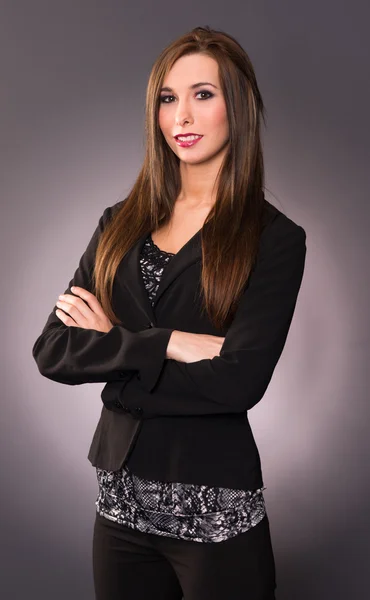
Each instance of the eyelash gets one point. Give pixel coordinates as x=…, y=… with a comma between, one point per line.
x=162, y=98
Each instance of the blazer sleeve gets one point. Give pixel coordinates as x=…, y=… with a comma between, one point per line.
x=74, y=355
x=237, y=379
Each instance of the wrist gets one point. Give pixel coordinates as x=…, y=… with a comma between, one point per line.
x=173, y=345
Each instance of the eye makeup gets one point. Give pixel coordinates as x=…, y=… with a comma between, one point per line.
x=210, y=95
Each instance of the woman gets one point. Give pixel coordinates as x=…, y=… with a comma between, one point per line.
x=182, y=304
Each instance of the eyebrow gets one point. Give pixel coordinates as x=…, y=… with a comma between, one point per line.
x=191, y=87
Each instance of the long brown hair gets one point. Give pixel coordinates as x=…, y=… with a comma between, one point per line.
x=231, y=231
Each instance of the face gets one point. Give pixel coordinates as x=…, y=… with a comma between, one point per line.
x=187, y=107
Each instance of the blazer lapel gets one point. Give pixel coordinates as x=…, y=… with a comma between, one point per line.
x=129, y=272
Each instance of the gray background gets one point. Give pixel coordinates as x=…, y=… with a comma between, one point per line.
x=73, y=80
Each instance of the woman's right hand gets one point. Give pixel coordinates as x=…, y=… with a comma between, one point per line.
x=191, y=347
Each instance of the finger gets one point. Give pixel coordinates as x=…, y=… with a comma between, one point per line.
x=92, y=301
x=77, y=309
x=75, y=306
x=67, y=320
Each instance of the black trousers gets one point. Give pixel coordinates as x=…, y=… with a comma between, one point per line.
x=132, y=565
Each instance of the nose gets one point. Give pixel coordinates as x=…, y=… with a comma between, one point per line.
x=182, y=114
x=182, y=120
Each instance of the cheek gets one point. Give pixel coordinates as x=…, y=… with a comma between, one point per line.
x=218, y=118
x=163, y=121
x=221, y=117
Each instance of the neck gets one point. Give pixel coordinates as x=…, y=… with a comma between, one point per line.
x=198, y=183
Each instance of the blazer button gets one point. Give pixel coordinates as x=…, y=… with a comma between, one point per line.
x=137, y=412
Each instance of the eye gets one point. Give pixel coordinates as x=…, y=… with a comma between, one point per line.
x=205, y=92
x=163, y=99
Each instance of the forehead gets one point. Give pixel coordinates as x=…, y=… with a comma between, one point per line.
x=190, y=69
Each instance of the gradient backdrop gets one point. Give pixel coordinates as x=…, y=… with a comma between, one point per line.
x=72, y=91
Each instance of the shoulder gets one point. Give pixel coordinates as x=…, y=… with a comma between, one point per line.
x=109, y=212
x=277, y=224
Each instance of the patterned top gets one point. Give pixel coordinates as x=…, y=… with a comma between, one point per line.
x=180, y=510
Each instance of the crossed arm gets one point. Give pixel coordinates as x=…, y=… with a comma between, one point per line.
x=233, y=381
x=237, y=379
x=75, y=355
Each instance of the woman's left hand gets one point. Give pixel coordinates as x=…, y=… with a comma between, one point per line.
x=79, y=314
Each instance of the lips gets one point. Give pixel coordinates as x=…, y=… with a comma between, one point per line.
x=188, y=141
x=186, y=135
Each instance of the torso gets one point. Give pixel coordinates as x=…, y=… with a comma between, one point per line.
x=184, y=224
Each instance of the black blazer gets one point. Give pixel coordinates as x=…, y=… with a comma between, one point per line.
x=170, y=420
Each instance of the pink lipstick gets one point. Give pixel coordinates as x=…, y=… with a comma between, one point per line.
x=184, y=143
